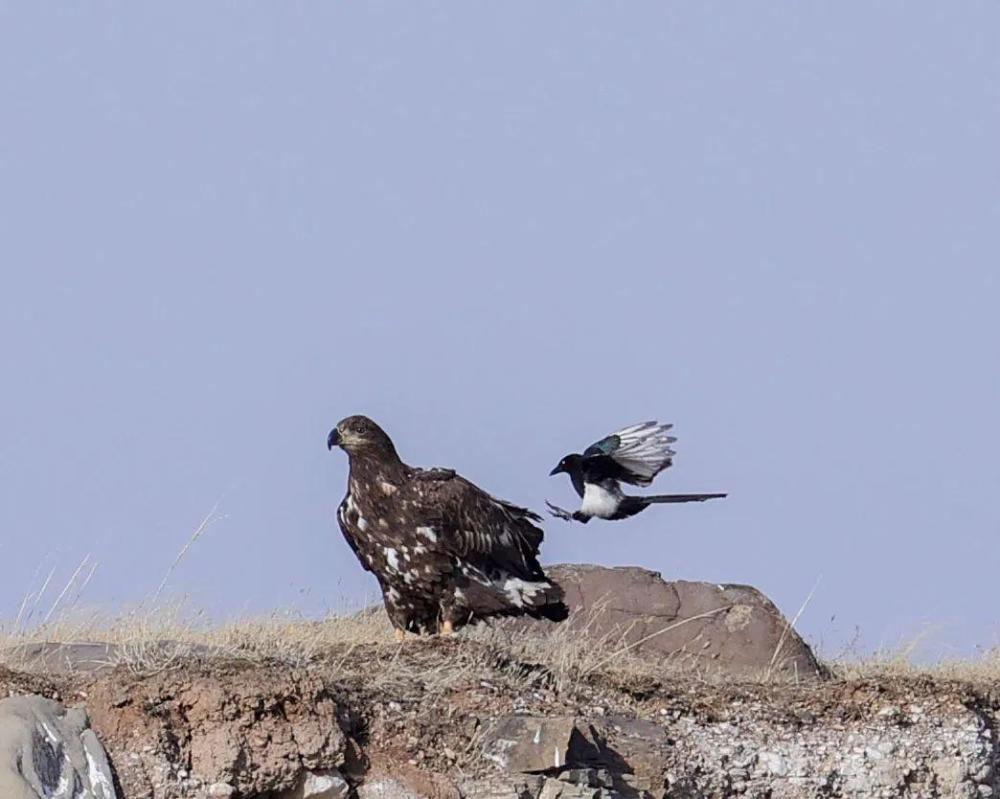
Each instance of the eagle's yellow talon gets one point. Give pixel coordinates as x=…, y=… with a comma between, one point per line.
x=447, y=628
x=399, y=635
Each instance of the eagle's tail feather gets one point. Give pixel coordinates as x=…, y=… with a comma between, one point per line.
x=553, y=611
x=535, y=596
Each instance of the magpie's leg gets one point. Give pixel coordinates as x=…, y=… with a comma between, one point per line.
x=565, y=515
x=559, y=513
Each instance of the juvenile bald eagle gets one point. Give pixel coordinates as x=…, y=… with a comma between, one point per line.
x=445, y=552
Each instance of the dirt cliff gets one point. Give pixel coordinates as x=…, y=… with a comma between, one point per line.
x=514, y=711
x=461, y=718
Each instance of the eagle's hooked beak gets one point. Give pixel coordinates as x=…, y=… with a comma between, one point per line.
x=333, y=439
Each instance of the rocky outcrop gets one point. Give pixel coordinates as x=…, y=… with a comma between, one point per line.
x=49, y=752
x=266, y=732
x=724, y=629
x=725, y=700
x=251, y=733
x=950, y=752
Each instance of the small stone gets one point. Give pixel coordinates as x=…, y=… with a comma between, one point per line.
x=326, y=784
x=221, y=789
x=774, y=763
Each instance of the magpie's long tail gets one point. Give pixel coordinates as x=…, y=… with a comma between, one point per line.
x=630, y=506
x=665, y=498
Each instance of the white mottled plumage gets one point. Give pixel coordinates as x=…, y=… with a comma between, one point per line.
x=428, y=533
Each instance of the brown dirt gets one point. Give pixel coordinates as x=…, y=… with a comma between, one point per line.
x=421, y=707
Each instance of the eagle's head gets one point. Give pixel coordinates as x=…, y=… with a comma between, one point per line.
x=359, y=435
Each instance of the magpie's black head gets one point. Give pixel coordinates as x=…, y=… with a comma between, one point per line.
x=569, y=464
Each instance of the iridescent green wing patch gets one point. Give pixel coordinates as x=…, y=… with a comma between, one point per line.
x=606, y=446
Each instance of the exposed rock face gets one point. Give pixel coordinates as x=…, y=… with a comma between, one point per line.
x=272, y=733
x=721, y=629
x=249, y=731
x=948, y=753
x=48, y=752
x=496, y=717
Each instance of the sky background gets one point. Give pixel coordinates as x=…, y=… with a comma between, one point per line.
x=503, y=231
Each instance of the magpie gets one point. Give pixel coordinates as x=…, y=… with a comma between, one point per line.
x=633, y=455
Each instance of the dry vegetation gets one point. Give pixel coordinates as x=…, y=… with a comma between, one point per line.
x=148, y=640
x=158, y=635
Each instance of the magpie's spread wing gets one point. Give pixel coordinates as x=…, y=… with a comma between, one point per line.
x=641, y=451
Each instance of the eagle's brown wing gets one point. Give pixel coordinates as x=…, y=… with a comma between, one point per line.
x=476, y=526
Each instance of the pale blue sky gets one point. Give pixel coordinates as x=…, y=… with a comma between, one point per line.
x=503, y=230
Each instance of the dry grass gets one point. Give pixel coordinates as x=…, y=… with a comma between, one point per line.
x=146, y=641
x=361, y=646
x=899, y=664
x=159, y=635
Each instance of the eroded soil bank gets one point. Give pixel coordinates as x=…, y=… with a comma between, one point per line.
x=466, y=718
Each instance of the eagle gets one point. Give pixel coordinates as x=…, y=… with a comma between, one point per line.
x=633, y=455
x=445, y=553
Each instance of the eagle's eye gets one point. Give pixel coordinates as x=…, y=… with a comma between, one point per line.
x=362, y=428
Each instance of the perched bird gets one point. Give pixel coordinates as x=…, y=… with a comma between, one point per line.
x=634, y=455
x=444, y=552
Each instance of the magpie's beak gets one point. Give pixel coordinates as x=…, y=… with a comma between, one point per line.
x=333, y=439
x=556, y=470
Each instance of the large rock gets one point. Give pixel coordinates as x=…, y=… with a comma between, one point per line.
x=728, y=629
x=521, y=743
x=49, y=752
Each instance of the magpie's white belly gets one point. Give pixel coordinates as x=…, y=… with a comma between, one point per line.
x=599, y=502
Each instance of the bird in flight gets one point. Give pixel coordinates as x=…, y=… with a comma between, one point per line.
x=445, y=553
x=634, y=455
